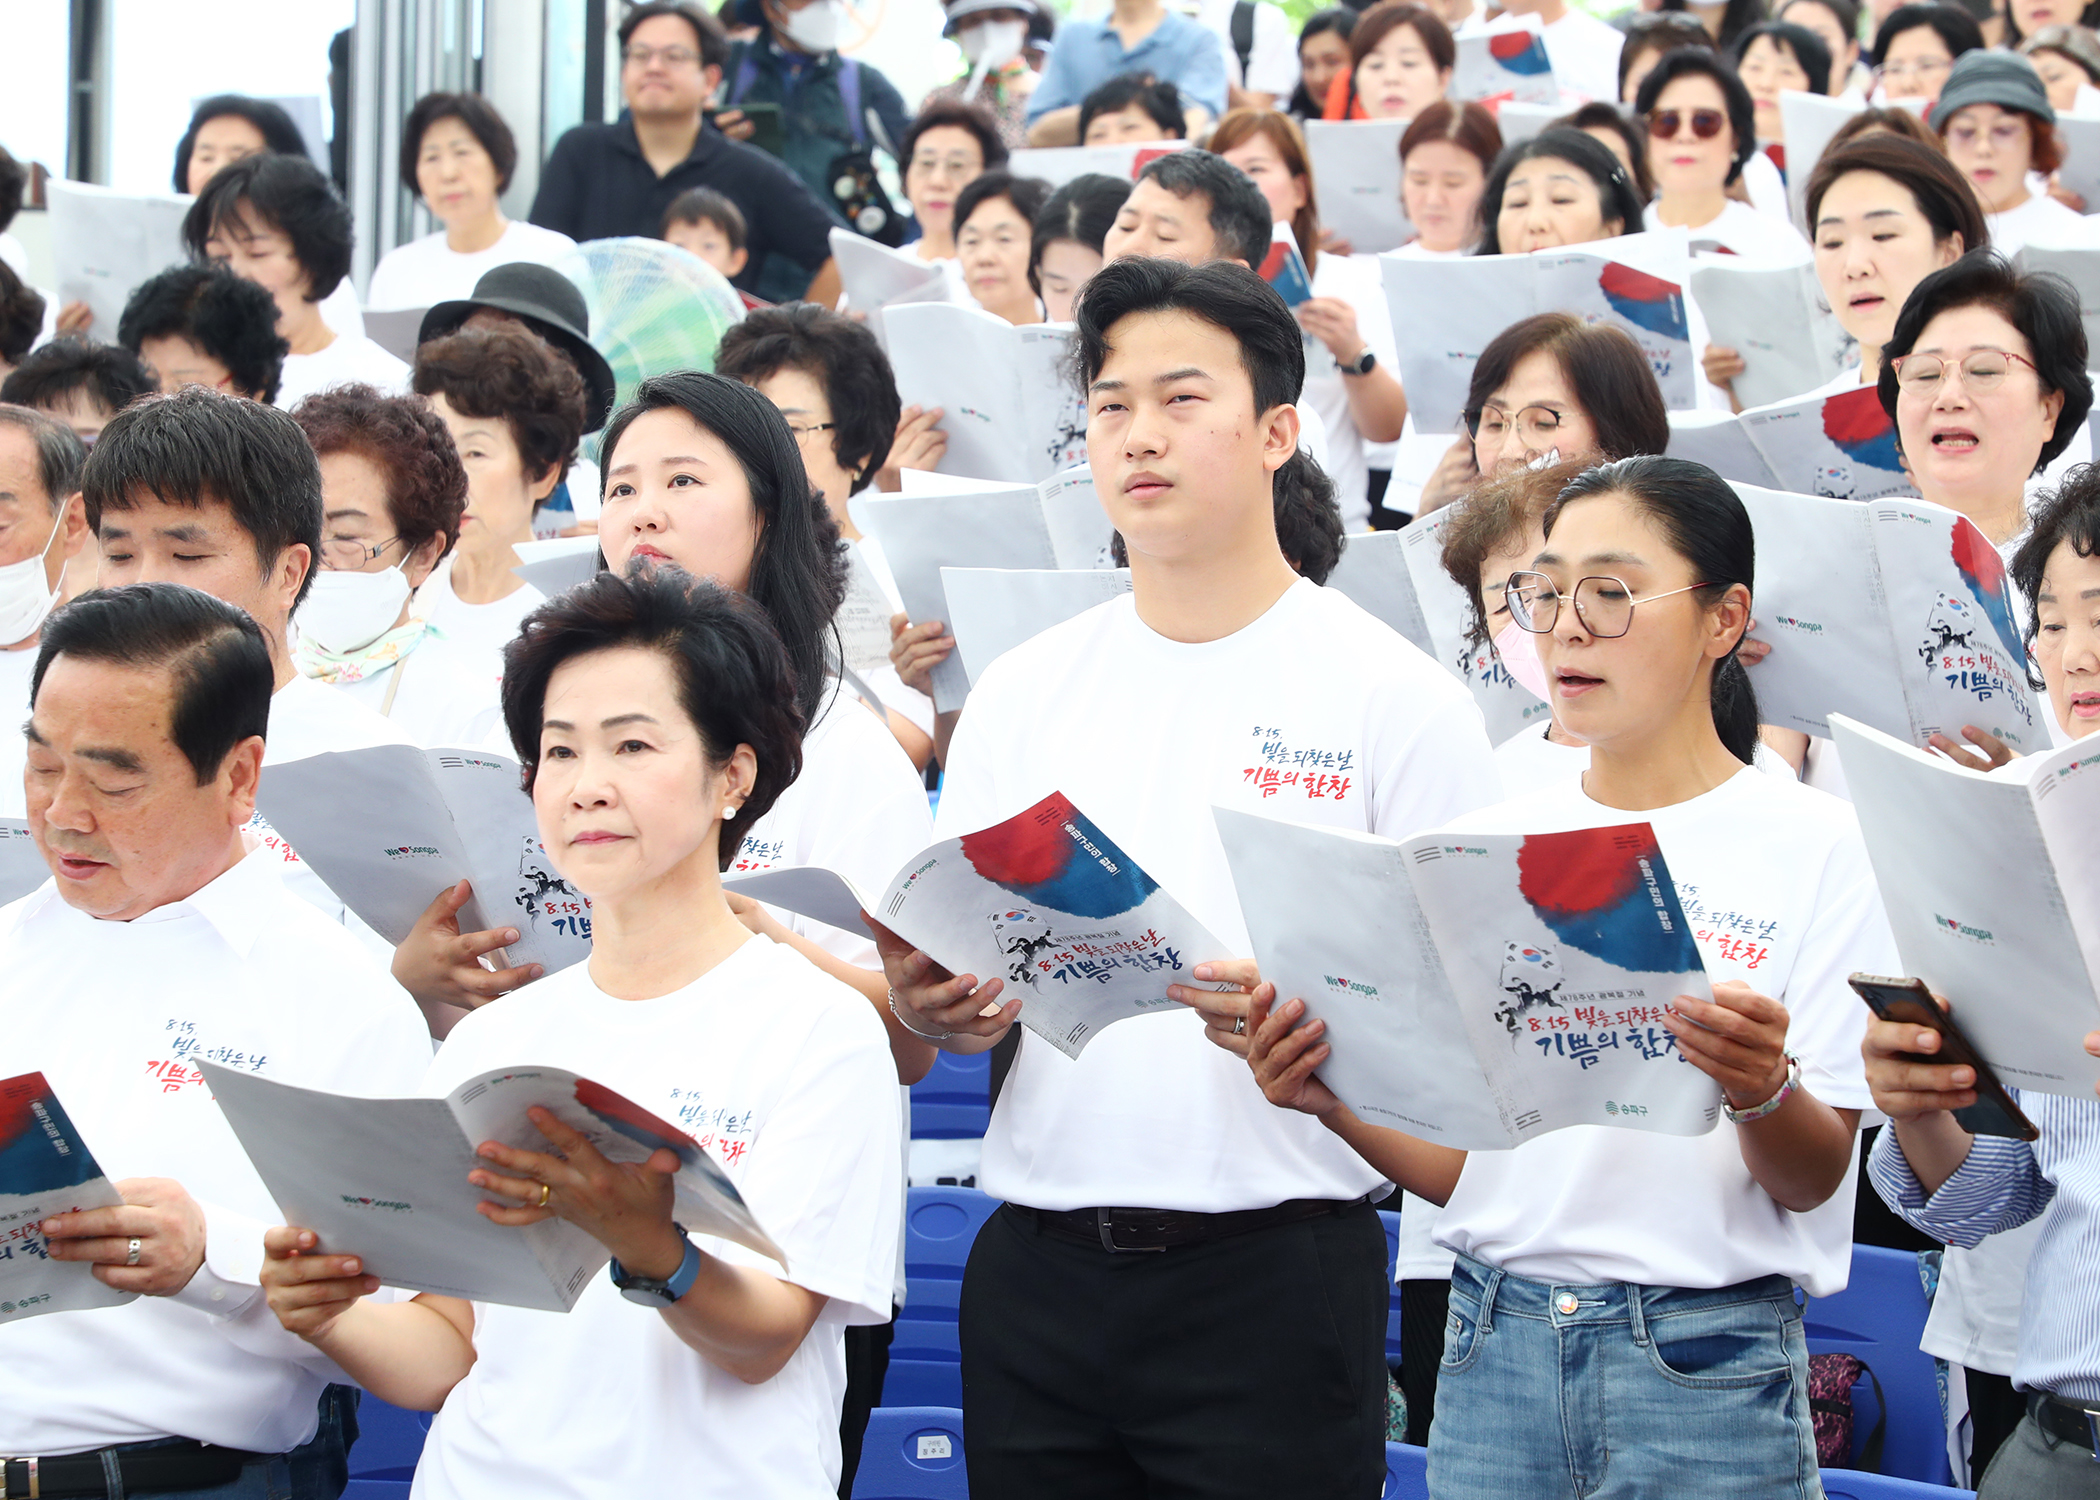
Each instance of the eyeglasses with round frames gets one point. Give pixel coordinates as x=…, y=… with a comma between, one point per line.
x=1604, y=605
x=1981, y=370
x=1536, y=425
x=344, y=554
x=1664, y=124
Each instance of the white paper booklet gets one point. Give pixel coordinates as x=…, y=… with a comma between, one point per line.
x=1373, y=572
x=1081, y=535
x=1357, y=164
x=2080, y=172
x=1992, y=885
x=105, y=244
x=1507, y=706
x=1775, y=318
x=1895, y=613
x=874, y=275
x=1481, y=989
x=1048, y=902
x=1058, y=165
x=1810, y=120
x=1842, y=447
x=556, y=564
x=1522, y=121
x=45, y=1169
x=1446, y=311
x=22, y=868
x=386, y=1179
x=1507, y=61
x=993, y=610
x=1011, y=411
x=864, y=617
x=2077, y=264
x=390, y=826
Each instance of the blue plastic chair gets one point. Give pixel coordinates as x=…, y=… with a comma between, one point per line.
x=1406, y=1472
x=912, y=1453
x=1880, y=1317
x=389, y=1440
x=1391, y=1221
x=953, y=1102
x=940, y=1226
x=1850, y=1484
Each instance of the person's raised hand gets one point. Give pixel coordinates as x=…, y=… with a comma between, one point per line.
x=624, y=1206
x=1333, y=322
x=1995, y=752
x=307, y=1289
x=1750, y=650
x=1224, y=1011
x=437, y=963
x=1332, y=243
x=76, y=318
x=1904, y=1075
x=1738, y=1039
x=1454, y=474
x=157, y=1216
x=1284, y=1054
x=1721, y=364
x=919, y=444
x=931, y=1001
x=735, y=124
x=915, y=650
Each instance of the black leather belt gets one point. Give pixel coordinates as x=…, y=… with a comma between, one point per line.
x=2066, y=1421
x=177, y=1466
x=1123, y=1231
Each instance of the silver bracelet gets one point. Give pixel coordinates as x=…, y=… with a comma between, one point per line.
x=921, y=1035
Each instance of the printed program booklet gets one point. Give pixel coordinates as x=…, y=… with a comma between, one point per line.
x=386, y=1179
x=1011, y=410
x=1480, y=990
x=45, y=1170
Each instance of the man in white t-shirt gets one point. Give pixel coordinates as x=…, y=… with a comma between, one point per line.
x=166, y=939
x=42, y=527
x=1584, y=51
x=1181, y=1276
x=1260, y=47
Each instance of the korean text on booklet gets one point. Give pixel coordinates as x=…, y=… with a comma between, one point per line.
x=1045, y=901
x=1992, y=884
x=1481, y=989
x=45, y=1169
x=391, y=826
x=386, y=1179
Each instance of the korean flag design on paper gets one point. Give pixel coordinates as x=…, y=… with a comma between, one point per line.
x=1522, y=52
x=1983, y=570
x=1036, y=860
x=1607, y=892
x=1645, y=301
x=40, y=1152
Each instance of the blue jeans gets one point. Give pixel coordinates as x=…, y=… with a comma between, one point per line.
x=317, y=1469
x=1618, y=1392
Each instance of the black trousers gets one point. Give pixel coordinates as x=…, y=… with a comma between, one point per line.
x=867, y=1362
x=1995, y=1410
x=1425, y=1306
x=1251, y=1366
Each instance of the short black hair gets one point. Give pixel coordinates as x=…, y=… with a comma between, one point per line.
x=1240, y=221
x=2042, y=307
x=704, y=205
x=1083, y=210
x=21, y=316
x=110, y=373
x=289, y=194
x=1956, y=27
x=1155, y=96
x=1026, y=194
x=1807, y=49
x=1683, y=62
x=734, y=678
x=215, y=656
x=199, y=445
x=227, y=316
x=1844, y=12
x=482, y=122
x=14, y=182
x=59, y=451
x=940, y=112
x=712, y=40
x=2069, y=517
x=279, y=134
x=842, y=355
x=1615, y=190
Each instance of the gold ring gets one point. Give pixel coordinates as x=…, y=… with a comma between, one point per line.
x=546, y=1192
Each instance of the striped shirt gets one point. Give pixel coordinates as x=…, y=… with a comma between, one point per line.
x=2004, y=1183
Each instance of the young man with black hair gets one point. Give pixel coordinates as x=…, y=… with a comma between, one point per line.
x=1184, y=1293
x=43, y=526
x=165, y=938
x=601, y=181
x=80, y=382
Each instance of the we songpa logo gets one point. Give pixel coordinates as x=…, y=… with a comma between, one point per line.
x=1351, y=986
x=391, y=1205
x=412, y=851
x=1963, y=930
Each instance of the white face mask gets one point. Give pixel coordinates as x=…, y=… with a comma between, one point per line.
x=25, y=597
x=815, y=27
x=346, y=610
x=1519, y=651
x=993, y=44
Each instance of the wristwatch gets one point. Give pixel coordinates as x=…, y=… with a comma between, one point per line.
x=1363, y=364
x=661, y=1294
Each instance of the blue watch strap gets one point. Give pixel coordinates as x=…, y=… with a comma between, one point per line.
x=652, y=1293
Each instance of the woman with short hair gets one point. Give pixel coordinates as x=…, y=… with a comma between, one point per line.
x=994, y=231
x=1996, y=121
x=1400, y=60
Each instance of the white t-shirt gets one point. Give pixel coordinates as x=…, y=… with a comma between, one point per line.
x=2040, y=220
x=474, y=627
x=1272, y=62
x=1584, y=52
x=785, y=1076
x=1529, y=762
x=1740, y=230
x=446, y=694
x=1775, y=880
x=16, y=668
x=1767, y=188
x=1354, y=279
x=858, y=807
x=117, y=1015
x=350, y=358
x=1314, y=712
x=423, y=273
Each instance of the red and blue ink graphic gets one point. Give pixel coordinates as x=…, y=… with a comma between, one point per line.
x=1607, y=892
x=1520, y=52
x=1648, y=302
x=1983, y=570
x=1861, y=430
x=1053, y=856
x=40, y=1152
x=1284, y=269
x=627, y=1118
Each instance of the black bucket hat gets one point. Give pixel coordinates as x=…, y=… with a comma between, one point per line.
x=555, y=309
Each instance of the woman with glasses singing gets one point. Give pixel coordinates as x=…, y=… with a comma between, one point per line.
x=1915, y=49
x=1996, y=121
x=1622, y=1318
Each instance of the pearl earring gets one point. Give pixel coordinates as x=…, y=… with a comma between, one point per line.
x=729, y=814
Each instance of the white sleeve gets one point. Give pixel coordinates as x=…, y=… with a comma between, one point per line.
x=1272, y=65
x=1444, y=769
x=872, y=826
x=1848, y=933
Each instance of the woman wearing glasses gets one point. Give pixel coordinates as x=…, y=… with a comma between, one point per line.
x=1701, y=132
x=1997, y=123
x=1622, y=1318
x=1916, y=47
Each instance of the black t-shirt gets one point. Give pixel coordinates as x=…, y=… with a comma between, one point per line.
x=597, y=185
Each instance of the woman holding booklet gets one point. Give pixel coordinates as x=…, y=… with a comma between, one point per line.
x=1612, y=1282
x=651, y=714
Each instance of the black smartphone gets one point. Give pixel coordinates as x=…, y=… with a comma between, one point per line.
x=769, y=131
x=1908, y=1001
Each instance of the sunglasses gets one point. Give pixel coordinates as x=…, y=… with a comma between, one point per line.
x=1663, y=124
